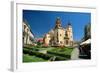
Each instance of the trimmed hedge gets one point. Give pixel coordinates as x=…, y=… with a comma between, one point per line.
x=31, y=48
x=44, y=56
x=65, y=52
x=59, y=54
x=38, y=54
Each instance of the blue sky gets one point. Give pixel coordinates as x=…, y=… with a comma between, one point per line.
x=43, y=21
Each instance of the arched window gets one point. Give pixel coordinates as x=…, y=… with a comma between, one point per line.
x=24, y=27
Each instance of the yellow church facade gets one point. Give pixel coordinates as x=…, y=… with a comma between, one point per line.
x=59, y=36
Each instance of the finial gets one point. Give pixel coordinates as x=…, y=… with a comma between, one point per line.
x=58, y=21
x=58, y=17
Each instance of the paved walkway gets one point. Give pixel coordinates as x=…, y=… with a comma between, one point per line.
x=75, y=54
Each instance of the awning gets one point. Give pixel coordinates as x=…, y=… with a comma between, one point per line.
x=86, y=42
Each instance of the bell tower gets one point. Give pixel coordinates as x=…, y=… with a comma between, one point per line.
x=69, y=34
x=58, y=33
x=58, y=23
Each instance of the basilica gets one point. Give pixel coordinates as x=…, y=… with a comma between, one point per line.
x=59, y=36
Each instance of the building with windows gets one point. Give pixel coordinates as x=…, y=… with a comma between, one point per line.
x=28, y=37
x=59, y=36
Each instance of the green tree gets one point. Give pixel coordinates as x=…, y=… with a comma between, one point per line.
x=87, y=32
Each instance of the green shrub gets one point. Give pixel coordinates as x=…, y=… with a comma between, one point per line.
x=38, y=54
x=25, y=51
x=60, y=54
x=65, y=52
